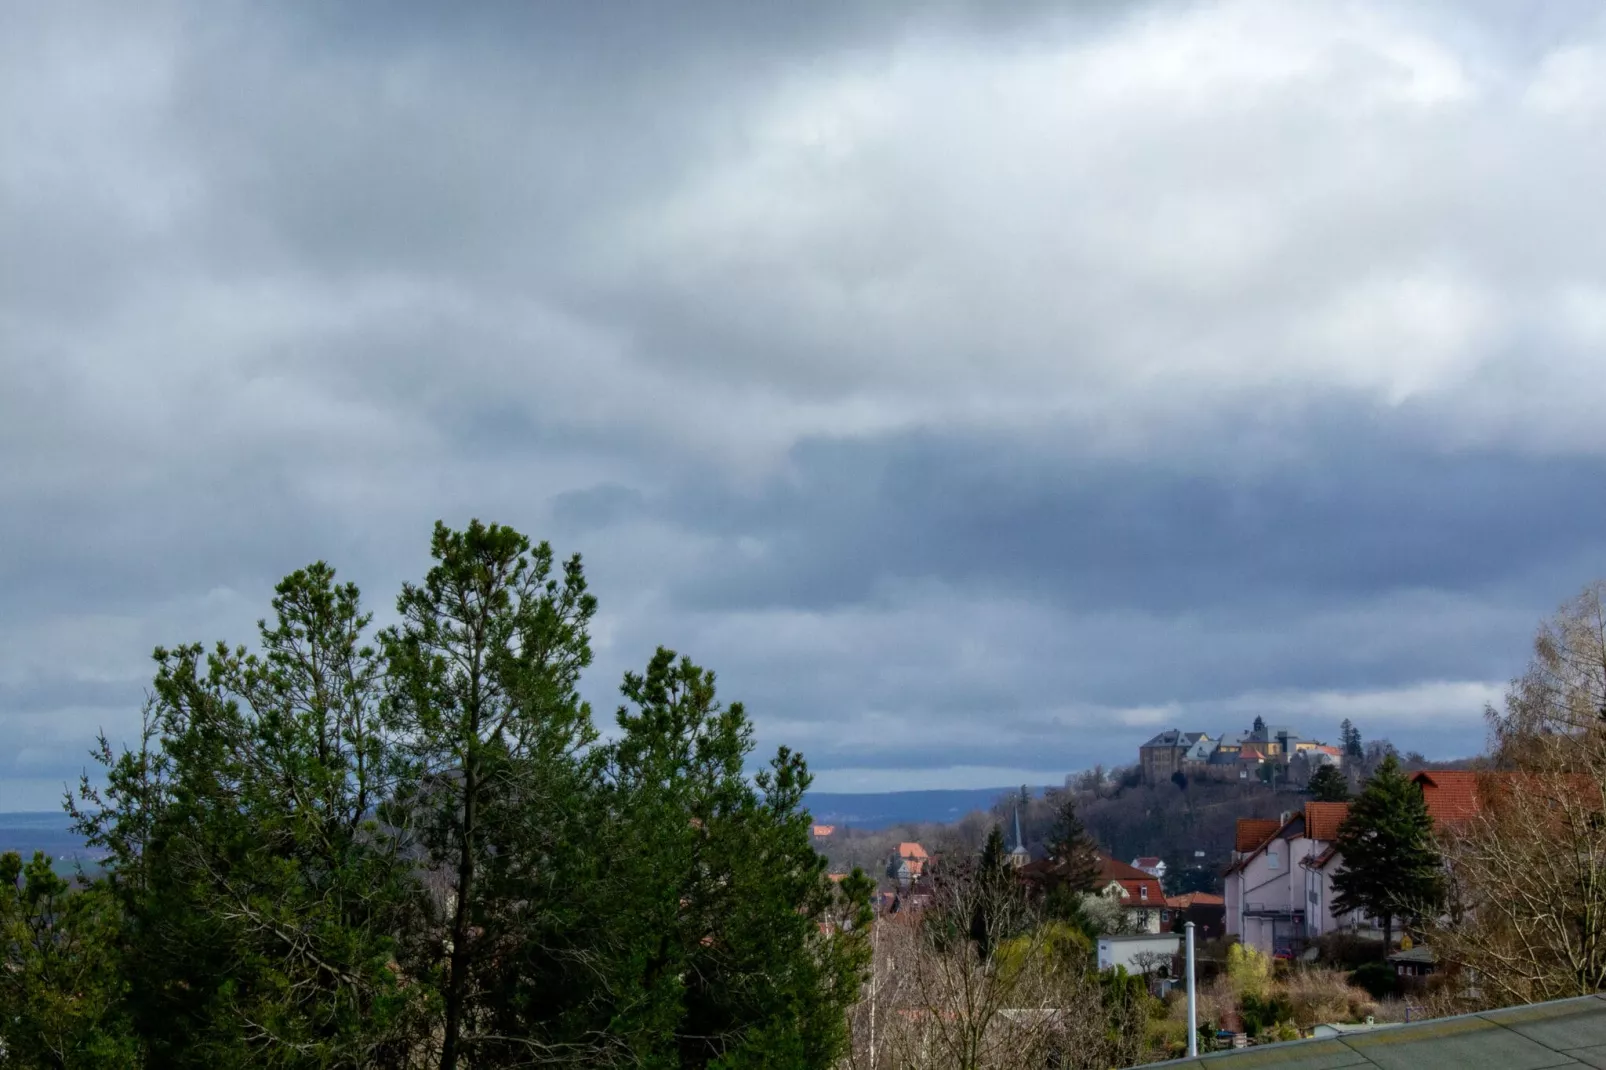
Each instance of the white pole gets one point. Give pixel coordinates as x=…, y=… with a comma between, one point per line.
x=1193, y=1000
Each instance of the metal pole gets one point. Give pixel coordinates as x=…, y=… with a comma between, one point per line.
x=1193, y=998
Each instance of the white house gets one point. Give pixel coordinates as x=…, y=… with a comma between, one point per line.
x=1279, y=888
x=1152, y=865
x=1125, y=950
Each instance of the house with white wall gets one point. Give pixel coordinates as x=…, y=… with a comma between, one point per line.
x=1137, y=952
x=1279, y=888
x=1141, y=895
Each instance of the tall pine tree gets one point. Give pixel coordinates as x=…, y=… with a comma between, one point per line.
x=711, y=941
x=1349, y=737
x=992, y=879
x=1390, y=868
x=1329, y=785
x=1075, y=855
x=483, y=671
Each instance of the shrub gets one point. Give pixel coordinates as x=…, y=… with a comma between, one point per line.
x=1248, y=970
x=1262, y=1014
x=1320, y=996
x=1377, y=978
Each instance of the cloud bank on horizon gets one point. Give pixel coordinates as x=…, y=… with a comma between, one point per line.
x=976, y=392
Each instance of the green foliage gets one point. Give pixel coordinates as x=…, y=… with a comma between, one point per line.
x=994, y=881
x=1378, y=979
x=322, y=854
x=482, y=677
x=1262, y=1013
x=1075, y=871
x=60, y=992
x=1350, y=740
x=718, y=890
x=1390, y=866
x=259, y=900
x=1125, y=995
x=1328, y=785
x=1058, y=946
x=1248, y=970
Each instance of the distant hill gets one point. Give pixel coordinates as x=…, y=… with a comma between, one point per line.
x=873, y=810
x=48, y=831
x=51, y=832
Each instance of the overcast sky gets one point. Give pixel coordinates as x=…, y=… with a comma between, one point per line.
x=977, y=393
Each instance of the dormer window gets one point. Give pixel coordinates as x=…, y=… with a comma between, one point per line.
x=1143, y=892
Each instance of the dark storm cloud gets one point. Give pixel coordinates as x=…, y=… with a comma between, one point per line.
x=971, y=385
x=1361, y=512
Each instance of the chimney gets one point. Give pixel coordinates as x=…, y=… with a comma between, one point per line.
x=1283, y=818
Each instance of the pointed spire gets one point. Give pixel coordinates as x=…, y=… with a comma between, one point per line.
x=1018, y=842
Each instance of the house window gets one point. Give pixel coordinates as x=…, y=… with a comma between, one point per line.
x=1271, y=860
x=1143, y=892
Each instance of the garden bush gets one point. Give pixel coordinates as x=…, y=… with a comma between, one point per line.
x=1377, y=978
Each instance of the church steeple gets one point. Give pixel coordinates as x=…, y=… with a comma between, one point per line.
x=1019, y=856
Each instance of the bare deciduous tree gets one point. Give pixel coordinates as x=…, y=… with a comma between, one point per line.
x=1528, y=871
x=943, y=1000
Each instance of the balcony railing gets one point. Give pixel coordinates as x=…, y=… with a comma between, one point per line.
x=1273, y=910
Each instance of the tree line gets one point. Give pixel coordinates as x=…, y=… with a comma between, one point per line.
x=413, y=847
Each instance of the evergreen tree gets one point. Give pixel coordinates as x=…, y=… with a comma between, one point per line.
x=715, y=893
x=60, y=992
x=483, y=670
x=320, y=855
x=1329, y=785
x=1350, y=740
x=259, y=898
x=1390, y=867
x=1075, y=854
x=992, y=884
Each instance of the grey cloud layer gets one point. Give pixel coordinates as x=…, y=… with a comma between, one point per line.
x=968, y=388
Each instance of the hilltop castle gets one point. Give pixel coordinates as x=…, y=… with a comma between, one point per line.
x=1234, y=756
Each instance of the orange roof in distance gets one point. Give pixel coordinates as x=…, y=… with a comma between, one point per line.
x=911, y=850
x=1254, y=831
x=1203, y=899
x=1133, y=881
x=823, y=830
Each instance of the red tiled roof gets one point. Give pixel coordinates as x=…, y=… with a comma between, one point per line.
x=1323, y=818
x=1451, y=794
x=1254, y=831
x=1111, y=870
x=824, y=830
x=911, y=850
x=1133, y=881
x=1455, y=795
x=1203, y=899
